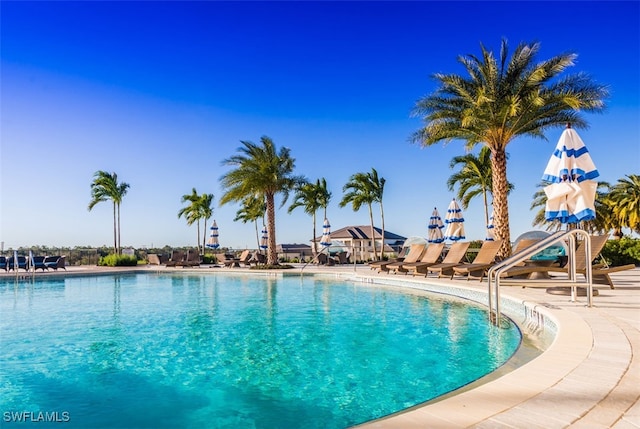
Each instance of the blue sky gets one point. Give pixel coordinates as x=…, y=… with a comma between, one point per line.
x=162, y=92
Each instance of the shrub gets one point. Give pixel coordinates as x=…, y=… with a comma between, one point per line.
x=622, y=252
x=118, y=261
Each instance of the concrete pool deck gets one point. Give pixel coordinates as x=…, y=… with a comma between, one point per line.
x=588, y=378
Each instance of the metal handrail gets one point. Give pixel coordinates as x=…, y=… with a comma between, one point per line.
x=495, y=272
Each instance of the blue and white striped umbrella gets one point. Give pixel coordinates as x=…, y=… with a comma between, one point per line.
x=454, y=221
x=213, y=243
x=435, y=228
x=264, y=241
x=491, y=236
x=325, y=240
x=570, y=170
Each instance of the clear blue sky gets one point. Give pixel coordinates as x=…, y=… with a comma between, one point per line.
x=162, y=92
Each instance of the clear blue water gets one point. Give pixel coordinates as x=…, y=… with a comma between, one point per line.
x=213, y=351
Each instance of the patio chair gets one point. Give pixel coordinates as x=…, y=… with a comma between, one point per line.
x=430, y=256
x=341, y=258
x=245, y=257
x=192, y=259
x=415, y=252
x=257, y=258
x=481, y=263
x=324, y=259
x=38, y=263
x=3, y=263
x=375, y=265
x=55, y=262
x=153, y=259
x=600, y=272
x=177, y=256
x=227, y=260
x=454, y=256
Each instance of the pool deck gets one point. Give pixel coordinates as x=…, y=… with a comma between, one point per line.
x=588, y=378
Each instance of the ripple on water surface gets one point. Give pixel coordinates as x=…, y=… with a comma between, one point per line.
x=195, y=351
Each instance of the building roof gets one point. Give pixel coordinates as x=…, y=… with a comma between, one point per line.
x=363, y=232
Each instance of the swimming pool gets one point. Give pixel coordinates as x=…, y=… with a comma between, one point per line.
x=211, y=350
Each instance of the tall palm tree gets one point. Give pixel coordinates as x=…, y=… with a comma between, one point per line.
x=502, y=99
x=206, y=211
x=377, y=186
x=358, y=191
x=473, y=179
x=192, y=212
x=252, y=208
x=626, y=198
x=603, y=222
x=105, y=187
x=261, y=171
x=312, y=197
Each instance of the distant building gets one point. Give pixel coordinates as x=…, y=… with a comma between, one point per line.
x=360, y=240
x=290, y=251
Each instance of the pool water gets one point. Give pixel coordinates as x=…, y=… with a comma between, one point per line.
x=214, y=351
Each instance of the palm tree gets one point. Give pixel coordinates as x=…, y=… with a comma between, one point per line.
x=502, y=99
x=192, y=212
x=473, y=179
x=603, y=222
x=261, y=171
x=251, y=210
x=105, y=187
x=358, y=191
x=377, y=186
x=626, y=198
x=312, y=197
x=206, y=211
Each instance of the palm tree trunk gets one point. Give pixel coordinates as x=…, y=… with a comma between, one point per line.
x=382, y=216
x=115, y=230
x=500, y=203
x=198, y=229
x=272, y=255
x=204, y=236
x=486, y=208
x=373, y=234
x=313, y=248
x=257, y=235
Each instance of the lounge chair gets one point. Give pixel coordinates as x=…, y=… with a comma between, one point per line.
x=177, y=257
x=55, y=262
x=3, y=263
x=21, y=263
x=323, y=259
x=482, y=262
x=191, y=260
x=600, y=272
x=245, y=257
x=431, y=256
x=37, y=262
x=227, y=260
x=415, y=252
x=153, y=259
x=454, y=256
x=257, y=258
x=341, y=258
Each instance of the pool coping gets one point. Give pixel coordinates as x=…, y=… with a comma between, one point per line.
x=589, y=376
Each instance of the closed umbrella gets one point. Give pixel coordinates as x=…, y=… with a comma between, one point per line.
x=454, y=221
x=213, y=243
x=264, y=241
x=570, y=172
x=325, y=240
x=435, y=228
x=491, y=236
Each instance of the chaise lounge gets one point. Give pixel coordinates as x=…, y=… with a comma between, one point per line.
x=482, y=262
x=431, y=256
x=455, y=255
